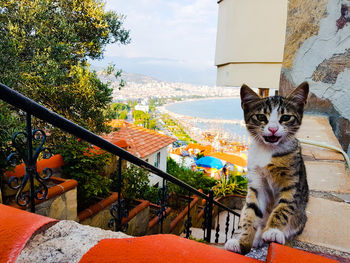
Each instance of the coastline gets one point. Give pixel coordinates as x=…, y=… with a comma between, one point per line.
x=199, y=99
x=163, y=109
x=191, y=125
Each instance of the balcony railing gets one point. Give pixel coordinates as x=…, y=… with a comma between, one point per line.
x=32, y=108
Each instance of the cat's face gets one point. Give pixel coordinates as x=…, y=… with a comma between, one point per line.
x=276, y=119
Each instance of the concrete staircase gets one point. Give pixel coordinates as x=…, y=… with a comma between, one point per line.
x=328, y=227
x=198, y=232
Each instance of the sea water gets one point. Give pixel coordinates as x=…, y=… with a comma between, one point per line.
x=219, y=109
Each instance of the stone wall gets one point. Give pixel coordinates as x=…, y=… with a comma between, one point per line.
x=61, y=207
x=317, y=50
x=99, y=219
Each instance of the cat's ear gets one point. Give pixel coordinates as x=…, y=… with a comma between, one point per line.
x=248, y=95
x=299, y=95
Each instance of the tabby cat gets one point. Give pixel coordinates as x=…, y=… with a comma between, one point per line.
x=277, y=186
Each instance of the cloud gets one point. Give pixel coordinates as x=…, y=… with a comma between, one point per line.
x=183, y=31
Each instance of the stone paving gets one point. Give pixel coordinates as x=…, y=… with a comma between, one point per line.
x=328, y=210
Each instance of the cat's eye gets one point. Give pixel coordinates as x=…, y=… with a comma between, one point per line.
x=261, y=117
x=285, y=118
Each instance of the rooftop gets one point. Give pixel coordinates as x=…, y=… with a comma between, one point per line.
x=142, y=142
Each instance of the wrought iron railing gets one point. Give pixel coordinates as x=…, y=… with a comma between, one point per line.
x=32, y=108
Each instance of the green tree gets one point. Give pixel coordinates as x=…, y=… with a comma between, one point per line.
x=44, y=48
x=144, y=119
x=195, y=179
x=140, y=117
x=117, y=111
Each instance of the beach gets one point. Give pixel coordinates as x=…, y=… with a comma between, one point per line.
x=222, y=126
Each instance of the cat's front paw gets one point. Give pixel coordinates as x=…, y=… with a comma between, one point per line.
x=233, y=245
x=274, y=235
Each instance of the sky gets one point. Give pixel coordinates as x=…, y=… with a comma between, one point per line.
x=171, y=40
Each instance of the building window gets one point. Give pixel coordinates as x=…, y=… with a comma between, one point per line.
x=263, y=92
x=157, y=160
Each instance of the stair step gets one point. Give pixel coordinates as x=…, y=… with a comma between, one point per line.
x=198, y=232
x=318, y=128
x=327, y=176
x=328, y=224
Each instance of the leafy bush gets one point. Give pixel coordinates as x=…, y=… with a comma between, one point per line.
x=234, y=184
x=9, y=124
x=135, y=184
x=82, y=163
x=195, y=179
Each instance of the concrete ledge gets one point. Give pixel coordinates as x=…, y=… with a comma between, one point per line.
x=327, y=176
x=328, y=224
x=66, y=241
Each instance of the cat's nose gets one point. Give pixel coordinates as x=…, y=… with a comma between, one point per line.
x=273, y=129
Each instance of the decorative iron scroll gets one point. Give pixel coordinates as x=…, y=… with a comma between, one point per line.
x=26, y=153
x=119, y=210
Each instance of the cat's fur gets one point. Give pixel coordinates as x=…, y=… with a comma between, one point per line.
x=277, y=185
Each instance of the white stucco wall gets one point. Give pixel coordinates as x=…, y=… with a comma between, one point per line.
x=250, y=42
x=255, y=75
x=154, y=179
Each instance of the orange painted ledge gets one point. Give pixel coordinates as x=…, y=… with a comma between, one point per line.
x=159, y=249
x=155, y=220
x=94, y=209
x=278, y=253
x=53, y=162
x=183, y=213
x=16, y=228
x=63, y=185
x=143, y=204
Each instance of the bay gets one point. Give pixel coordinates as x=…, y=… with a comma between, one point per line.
x=218, y=109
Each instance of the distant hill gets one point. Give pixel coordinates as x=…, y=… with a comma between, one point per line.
x=138, y=78
x=128, y=77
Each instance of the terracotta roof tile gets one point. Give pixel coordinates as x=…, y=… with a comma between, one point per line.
x=142, y=142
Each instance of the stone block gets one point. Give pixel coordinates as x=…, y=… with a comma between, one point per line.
x=327, y=176
x=101, y=219
x=317, y=128
x=58, y=209
x=328, y=224
x=71, y=204
x=138, y=225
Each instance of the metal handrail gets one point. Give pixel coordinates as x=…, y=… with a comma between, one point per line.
x=24, y=103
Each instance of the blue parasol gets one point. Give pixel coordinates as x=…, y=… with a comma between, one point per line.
x=210, y=162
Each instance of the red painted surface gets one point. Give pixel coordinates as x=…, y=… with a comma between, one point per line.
x=16, y=228
x=278, y=253
x=143, y=204
x=155, y=220
x=53, y=162
x=63, y=185
x=183, y=213
x=159, y=249
x=94, y=209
